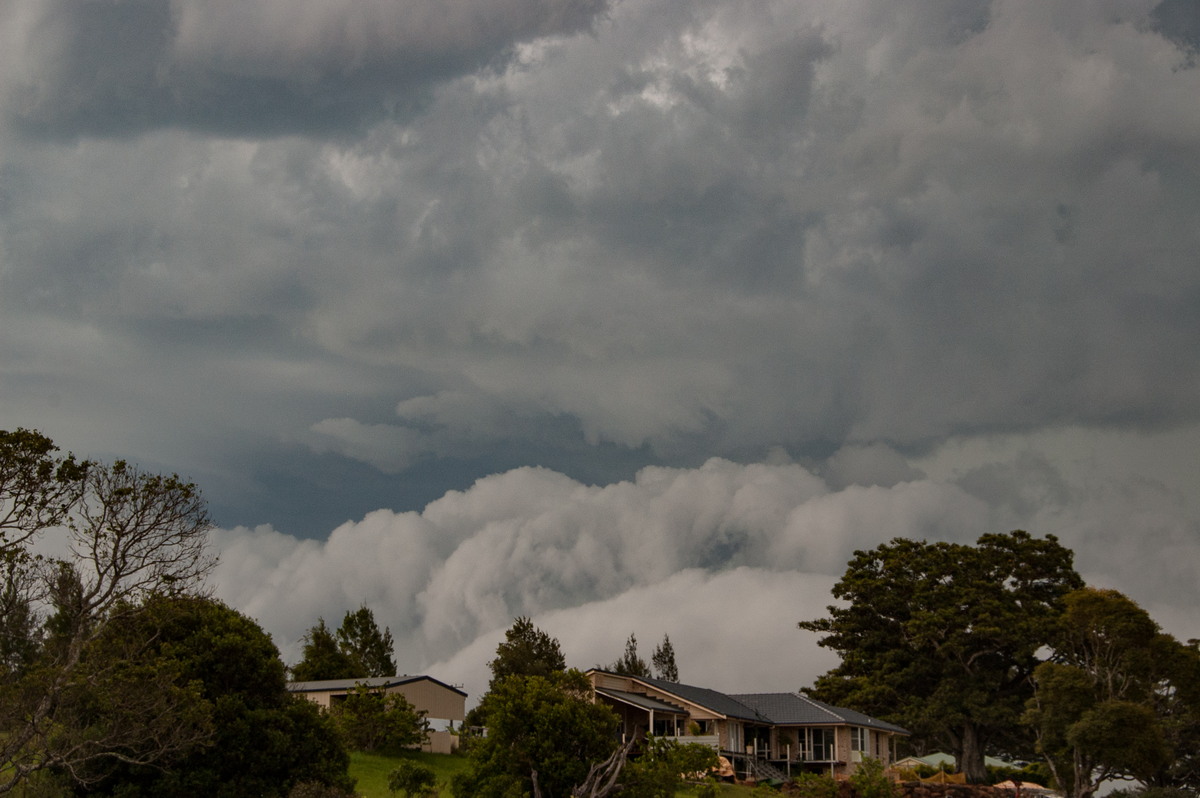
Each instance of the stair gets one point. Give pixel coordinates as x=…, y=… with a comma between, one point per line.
x=762, y=770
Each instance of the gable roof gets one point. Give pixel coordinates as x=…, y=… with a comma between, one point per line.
x=374, y=682
x=940, y=758
x=641, y=701
x=794, y=709
x=718, y=703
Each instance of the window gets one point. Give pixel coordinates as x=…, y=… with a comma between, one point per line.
x=821, y=745
x=860, y=739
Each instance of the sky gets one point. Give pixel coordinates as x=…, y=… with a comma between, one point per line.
x=630, y=316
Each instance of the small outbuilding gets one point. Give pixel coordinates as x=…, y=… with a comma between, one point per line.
x=444, y=705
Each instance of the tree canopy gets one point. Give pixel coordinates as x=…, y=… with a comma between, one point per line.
x=942, y=638
x=663, y=660
x=321, y=658
x=1117, y=699
x=262, y=740
x=371, y=719
x=358, y=649
x=368, y=648
x=526, y=651
x=630, y=662
x=541, y=729
x=131, y=534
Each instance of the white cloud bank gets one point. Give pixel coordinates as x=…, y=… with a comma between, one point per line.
x=724, y=558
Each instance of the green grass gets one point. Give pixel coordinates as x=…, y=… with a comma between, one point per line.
x=371, y=771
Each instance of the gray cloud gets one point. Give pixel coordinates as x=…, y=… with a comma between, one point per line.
x=728, y=556
x=261, y=68
x=330, y=258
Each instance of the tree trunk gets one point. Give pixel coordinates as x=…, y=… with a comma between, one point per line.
x=601, y=779
x=972, y=762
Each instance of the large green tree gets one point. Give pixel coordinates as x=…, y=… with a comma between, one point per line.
x=131, y=534
x=262, y=740
x=1117, y=699
x=542, y=730
x=942, y=638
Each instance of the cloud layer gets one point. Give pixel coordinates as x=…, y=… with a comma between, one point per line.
x=724, y=558
x=495, y=281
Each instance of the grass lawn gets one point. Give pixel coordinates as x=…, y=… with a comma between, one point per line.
x=371, y=771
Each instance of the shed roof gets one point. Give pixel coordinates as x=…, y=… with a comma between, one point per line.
x=374, y=682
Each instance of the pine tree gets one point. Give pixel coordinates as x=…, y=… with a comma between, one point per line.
x=664, y=661
x=371, y=650
x=630, y=664
x=322, y=658
x=526, y=651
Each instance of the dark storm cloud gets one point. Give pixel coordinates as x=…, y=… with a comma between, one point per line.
x=933, y=261
x=260, y=68
x=1179, y=20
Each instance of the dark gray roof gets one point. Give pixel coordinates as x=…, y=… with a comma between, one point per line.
x=794, y=709
x=376, y=682
x=719, y=703
x=641, y=701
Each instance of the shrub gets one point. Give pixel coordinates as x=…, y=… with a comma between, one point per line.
x=314, y=789
x=413, y=779
x=869, y=780
x=815, y=785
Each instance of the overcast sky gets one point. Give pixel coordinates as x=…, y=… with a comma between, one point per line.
x=628, y=315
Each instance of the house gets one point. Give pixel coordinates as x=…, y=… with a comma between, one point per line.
x=444, y=705
x=813, y=732
x=787, y=730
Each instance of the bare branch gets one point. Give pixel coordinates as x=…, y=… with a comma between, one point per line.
x=132, y=534
x=602, y=778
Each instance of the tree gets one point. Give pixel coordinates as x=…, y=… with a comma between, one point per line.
x=20, y=631
x=526, y=651
x=1177, y=704
x=322, y=659
x=542, y=730
x=664, y=661
x=261, y=741
x=370, y=719
x=942, y=638
x=130, y=534
x=1110, y=701
x=630, y=664
x=870, y=780
x=369, y=649
x=660, y=770
x=37, y=487
x=413, y=779
x=358, y=649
